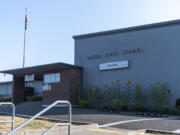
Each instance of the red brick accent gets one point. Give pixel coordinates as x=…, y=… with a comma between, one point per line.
x=70, y=78
x=18, y=89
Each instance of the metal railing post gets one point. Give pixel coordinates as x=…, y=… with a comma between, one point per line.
x=70, y=118
x=13, y=114
x=43, y=111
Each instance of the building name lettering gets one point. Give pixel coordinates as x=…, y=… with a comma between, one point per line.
x=117, y=53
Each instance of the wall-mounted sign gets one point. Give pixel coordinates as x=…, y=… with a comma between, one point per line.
x=29, y=78
x=46, y=87
x=114, y=65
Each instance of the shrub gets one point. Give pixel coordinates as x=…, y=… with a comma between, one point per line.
x=114, y=104
x=84, y=103
x=122, y=106
x=93, y=95
x=178, y=110
x=107, y=97
x=159, y=96
x=139, y=95
x=178, y=103
x=116, y=90
x=96, y=97
x=75, y=94
x=128, y=92
x=117, y=96
x=34, y=98
x=28, y=91
x=5, y=99
x=137, y=107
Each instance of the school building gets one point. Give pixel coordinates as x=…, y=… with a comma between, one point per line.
x=143, y=54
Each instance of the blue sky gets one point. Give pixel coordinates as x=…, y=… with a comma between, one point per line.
x=52, y=23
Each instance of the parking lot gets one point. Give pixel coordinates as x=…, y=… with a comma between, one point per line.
x=122, y=120
x=126, y=121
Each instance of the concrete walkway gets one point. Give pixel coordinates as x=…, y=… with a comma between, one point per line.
x=82, y=130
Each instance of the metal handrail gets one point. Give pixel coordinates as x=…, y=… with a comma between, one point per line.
x=13, y=114
x=54, y=126
x=43, y=111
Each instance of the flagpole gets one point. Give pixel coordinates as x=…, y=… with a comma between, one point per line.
x=24, y=51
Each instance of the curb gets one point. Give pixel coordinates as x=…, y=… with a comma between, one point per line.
x=154, y=131
x=52, y=119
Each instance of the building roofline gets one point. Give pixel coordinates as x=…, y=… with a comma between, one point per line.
x=135, y=28
x=39, y=68
x=6, y=82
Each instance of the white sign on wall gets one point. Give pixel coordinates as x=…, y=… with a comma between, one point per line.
x=46, y=87
x=114, y=65
x=29, y=78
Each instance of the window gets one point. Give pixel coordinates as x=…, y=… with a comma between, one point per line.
x=52, y=78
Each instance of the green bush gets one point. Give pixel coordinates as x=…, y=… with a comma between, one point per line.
x=95, y=97
x=137, y=107
x=84, y=103
x=178, y=103
x=128, y=90
x=113, y=104
x=122, y=106
x=139, y=95
x=76, y=92
x=74, y=97
x=178, y=110
x=34, y=98
x=6, y=99
x=159, y=96
x=118, y=96
x=28, y=91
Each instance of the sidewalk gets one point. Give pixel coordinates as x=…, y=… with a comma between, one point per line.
x=82, y=130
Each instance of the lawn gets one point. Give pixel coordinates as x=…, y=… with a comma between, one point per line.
x=34, y=125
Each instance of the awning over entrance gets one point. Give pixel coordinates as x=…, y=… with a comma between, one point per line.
x=39, y=69
x=62, y=78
